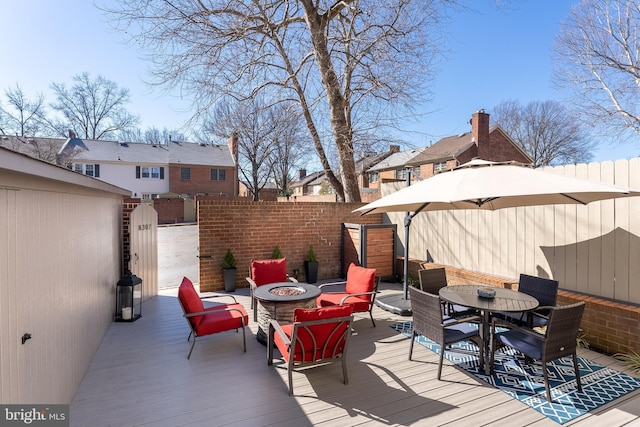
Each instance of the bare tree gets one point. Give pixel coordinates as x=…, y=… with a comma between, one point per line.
x=598, y=57
x=354, y=66
x=289, y=152
x=151, y=135
x=94, y=108
x=546, y=131
x=260, y=128
x=23, y=116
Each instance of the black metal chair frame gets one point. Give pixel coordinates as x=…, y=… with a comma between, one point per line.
x=316, y=348
x=344, y=300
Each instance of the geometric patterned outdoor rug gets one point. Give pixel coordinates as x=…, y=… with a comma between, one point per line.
x=600, y=385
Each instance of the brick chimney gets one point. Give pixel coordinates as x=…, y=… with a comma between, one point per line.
x=480, y=127
x=302, y=173
x=394, y=148
x=232, y=142
x=72, y=134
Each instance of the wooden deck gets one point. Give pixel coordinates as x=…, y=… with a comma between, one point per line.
x=140, y=376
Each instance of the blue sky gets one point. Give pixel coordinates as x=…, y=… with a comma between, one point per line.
x=492, y=55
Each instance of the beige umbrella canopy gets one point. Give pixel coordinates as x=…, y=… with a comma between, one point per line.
x=480, y=184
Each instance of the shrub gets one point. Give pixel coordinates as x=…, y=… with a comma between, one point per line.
x=277, y=253
x=229, y=261
x=311, y=255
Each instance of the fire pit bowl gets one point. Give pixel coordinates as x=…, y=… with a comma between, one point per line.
x=287, y=291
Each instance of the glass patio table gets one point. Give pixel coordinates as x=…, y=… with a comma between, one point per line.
x=505, y=300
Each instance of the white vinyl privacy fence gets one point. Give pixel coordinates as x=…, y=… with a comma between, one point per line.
x=593, y=249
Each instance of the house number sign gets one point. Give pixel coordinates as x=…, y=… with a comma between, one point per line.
x=142, y=227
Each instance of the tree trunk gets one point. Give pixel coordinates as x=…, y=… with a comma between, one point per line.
x=337, y=102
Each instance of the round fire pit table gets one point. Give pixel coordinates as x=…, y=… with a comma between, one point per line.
x=278, y=300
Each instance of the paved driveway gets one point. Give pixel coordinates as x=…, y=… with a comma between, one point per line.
x=177, y=254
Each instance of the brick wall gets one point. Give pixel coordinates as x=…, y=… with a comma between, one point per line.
x=610, y=327
x=170, y=211
x=128, y=206
x=252, y=230
x=200, y=181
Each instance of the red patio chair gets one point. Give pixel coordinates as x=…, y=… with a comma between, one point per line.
x=317, y=336
x=263, y=272
x=211, y=320
x=360, y=291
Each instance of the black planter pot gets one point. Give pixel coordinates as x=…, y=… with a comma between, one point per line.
x=230, y=275
x=311, y=271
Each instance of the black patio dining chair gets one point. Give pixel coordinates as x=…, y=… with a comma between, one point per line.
x=542, y=289
x=434, y=279
x=559, y=340
x=430, y=321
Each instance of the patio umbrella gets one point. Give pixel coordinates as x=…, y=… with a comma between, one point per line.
x=485, y=185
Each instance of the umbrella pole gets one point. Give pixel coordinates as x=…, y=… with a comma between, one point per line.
x=407, y=223
x=405, y=284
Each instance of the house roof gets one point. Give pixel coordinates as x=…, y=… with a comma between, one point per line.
x=306, y=179
x=369, y=160
x=113, y=151
x=397, y=160
x=200, y=154
x=186, y=153
x=446, y=148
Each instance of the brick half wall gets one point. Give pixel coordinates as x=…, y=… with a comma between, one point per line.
x=252, y=230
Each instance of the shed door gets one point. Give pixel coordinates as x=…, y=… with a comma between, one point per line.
x=144, y=248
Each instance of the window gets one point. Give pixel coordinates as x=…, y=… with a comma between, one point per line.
x=416, y=171
x=185, y=174
x=90, y=170
x=374, y=177
x=151, y=173
x=439, y=167
x=218, y=175
x=401, y=173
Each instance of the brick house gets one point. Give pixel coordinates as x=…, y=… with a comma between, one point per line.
x=301, y=186
x=484, y=141
x=268, y=193
x=203, y=169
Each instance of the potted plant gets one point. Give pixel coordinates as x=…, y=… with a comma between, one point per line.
x=229, y=271
x=311, y=266
x=277, y=253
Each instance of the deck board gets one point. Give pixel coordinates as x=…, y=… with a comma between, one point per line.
x=140, y=376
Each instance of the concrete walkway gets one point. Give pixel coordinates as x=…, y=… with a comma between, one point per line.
x=177, y=254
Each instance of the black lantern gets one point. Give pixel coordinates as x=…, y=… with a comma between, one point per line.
x=129, y=298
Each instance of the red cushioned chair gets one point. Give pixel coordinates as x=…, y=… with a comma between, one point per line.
x=360, y=291
x=211, y=320
x=317, y=336
x=263, y=272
